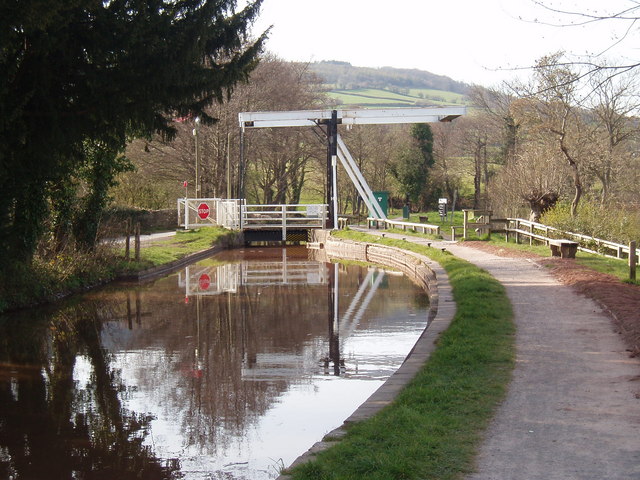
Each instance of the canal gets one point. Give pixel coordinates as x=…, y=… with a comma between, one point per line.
x=228, y=369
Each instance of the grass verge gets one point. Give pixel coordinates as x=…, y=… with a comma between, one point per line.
x=433, y=429
x=169, y=249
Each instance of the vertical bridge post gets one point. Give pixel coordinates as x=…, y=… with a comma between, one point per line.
x=332, y=154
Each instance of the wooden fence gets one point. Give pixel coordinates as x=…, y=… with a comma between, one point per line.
x=519, y=228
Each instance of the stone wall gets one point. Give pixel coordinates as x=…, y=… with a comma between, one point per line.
x=416, y=267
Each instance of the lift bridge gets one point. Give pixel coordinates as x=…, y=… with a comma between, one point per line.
x=292, y=222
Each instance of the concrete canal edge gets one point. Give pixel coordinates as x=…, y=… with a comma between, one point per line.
x=424, y=272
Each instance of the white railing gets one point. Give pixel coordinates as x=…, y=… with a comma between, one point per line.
x=235, y=215
x=208, y=212
x=537, y=231
x=283, y=217
x=415, y=227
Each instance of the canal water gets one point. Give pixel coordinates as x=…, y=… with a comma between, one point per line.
x=228, y=369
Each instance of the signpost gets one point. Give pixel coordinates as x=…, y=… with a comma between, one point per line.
x=442, y=208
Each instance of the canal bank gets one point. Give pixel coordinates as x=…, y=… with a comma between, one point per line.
x=423, y=271
x=572, y=409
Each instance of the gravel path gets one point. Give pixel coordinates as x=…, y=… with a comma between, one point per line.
x=573, y=409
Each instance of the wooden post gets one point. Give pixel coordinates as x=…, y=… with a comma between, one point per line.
x=283, y=213
x=465, y=219
x=633, y=259
x=531, y=234
x=127, y=243
x=137, y=241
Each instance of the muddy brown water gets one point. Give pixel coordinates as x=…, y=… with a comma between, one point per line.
x=228, y=369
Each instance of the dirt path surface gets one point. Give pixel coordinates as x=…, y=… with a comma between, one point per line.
x=572, y=411
x=620, y=300
x=573, y=408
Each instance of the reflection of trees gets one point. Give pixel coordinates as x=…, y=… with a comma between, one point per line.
x=52, y=428
x=207, y=364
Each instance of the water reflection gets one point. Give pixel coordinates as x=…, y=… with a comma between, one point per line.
x=229, y=369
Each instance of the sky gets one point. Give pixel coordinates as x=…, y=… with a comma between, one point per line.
x=475, y=41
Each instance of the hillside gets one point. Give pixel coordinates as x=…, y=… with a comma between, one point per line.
x=387, y=86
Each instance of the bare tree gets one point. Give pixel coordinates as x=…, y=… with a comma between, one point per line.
x=614, y=104
x=551, y=108
x=496, y=105
x=445, y=150
x=622, y=20
x=533, y=179
x=475, y=135
x=277, y=159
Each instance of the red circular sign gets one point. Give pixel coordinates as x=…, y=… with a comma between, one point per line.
x=203, y=210
x=204, y=281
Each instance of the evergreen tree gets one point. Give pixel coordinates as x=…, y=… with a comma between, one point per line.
x=412, y=168
x=82, y=77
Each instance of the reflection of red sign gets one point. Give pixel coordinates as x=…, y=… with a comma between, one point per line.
x=203, y=210
x=204, y=281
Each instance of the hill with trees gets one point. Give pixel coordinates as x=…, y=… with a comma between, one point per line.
x=344, y=76
x=387, y=87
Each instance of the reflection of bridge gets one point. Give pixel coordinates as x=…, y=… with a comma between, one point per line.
x=258, y=222
x=207, y=280
x=199, y=280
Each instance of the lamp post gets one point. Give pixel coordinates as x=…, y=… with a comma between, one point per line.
x=195, y=134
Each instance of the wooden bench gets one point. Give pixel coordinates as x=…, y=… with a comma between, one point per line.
x=563, y=248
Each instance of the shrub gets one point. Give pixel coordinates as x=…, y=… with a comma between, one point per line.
x=619, y=225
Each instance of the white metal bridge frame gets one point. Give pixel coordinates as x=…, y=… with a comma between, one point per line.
x=336, y=148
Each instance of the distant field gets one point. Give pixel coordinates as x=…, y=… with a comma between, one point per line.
x=439, y=95
x=373, y=97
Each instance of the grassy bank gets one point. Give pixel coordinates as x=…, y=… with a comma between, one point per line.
x=52, y=276
x=434, y=427
x=169, y=249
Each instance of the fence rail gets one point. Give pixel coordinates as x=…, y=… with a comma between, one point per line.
x=416, y=227
x=269, y=217
x=519, y=227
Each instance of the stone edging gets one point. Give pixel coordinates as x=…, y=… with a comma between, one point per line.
x=429, y=275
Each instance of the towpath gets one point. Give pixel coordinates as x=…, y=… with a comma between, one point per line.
x=572, y=410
